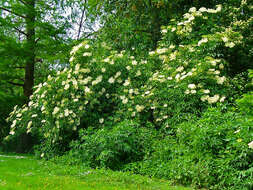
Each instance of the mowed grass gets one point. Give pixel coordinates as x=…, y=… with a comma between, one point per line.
x=27, y=173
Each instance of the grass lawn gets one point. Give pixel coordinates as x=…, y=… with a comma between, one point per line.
x=27, y=173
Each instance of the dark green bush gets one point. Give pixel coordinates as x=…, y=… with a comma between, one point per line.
x=112, y=147
x=211, y=152
x=7, y=103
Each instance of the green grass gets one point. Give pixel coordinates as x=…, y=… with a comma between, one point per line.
x=28, y=174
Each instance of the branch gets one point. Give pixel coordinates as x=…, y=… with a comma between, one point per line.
x=16, y=78
x=12, y=12
x=16, y=84
x=81, y=24
x=90, y=34
x=20, y=31
x=23, y=2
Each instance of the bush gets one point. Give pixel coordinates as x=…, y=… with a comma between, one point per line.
x=113, y=146
x=7, y=103
x=211, y=152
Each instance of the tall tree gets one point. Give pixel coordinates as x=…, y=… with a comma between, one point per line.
x=137, y=23
x=34, y=36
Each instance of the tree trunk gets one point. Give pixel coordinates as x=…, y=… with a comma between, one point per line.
x=155, y=24
x=25, y=139
x=30, y=62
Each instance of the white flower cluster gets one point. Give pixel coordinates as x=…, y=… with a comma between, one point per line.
x=75, y=49
x=251, y=145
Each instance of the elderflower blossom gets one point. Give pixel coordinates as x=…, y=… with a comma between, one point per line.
x=179, y=69
x=202, y=9
x=111, y=62
x=139, y=108
x=222, y=99
x=224, y=39
x=77, y=67
x=230, y=44
x=192, y=86
x=56, y=109
x=217, y=72
x=164, y=31
x=71, y=59
x=124, y=101
x=84, y=70
x=177, y=77
x=172, y=46
x=87, y=90
x=220, y=80
x=214, y=99
x=161, y=51
x=98, y=80
x=66, y=112
x=127, y=82
x=206, y=91
x=66, y=87
x=173, y=56
x=103, y=70
x=138, y=73
x=111, y=80
x=183, y=77
x=117, y=74
x=193, y=91
x=204, y=98
x=151, y=53
x=107, y=60
x=251, y=145
x=173, y=29
x=13, y=123
x=30, y=103
x=101, y=120
x=192, y=10
x=34, y=115
x=87, y=54
x=187, y=91
x=134, y=62
x=218, y=9
x=204, y=40
x=29, y=124
x=221, y=66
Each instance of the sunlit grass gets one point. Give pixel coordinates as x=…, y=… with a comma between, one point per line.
x=17, y=173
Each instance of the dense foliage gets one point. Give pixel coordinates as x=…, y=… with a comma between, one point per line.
x=182, y=111
x=212, y=151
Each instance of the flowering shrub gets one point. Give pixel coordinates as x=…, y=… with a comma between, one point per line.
x=184, y=75
x=119, y=94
